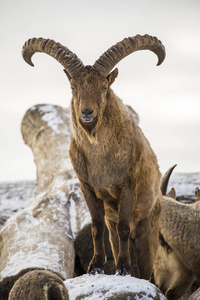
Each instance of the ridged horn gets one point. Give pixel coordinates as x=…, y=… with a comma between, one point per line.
x=165, y=180
x=72, y=64
x=117, y=52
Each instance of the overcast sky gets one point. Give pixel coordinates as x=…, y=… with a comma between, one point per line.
x=167, y=98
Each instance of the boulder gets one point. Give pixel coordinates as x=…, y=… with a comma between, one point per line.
x=111, y=287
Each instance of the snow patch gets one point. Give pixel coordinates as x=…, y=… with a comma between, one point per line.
x=50, y=116
x=73, y=214
x=52, y=120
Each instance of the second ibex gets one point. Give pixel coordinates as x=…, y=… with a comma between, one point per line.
x=116, y=167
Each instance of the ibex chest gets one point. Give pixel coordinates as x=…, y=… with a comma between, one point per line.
x=101, y=168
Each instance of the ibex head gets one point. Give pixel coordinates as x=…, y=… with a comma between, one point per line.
x=91, y=84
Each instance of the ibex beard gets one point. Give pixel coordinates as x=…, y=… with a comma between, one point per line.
x=117, y=169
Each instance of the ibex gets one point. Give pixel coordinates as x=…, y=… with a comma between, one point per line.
x=117, y=169
x=177, y=262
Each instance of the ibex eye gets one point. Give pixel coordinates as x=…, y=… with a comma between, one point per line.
x=104, y=89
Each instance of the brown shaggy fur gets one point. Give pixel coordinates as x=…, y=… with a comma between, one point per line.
x=118, y=173
x=38, y=285
x=177, y=261
x=170, y=274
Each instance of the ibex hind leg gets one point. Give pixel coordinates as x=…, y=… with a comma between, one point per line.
x=147, y=237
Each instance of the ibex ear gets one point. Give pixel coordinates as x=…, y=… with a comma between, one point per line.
x=111, y=77
x=197, y=193
x=172, y=193
x=68, y=76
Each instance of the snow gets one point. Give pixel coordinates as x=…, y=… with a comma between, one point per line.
x=50, y=119
x=92, y=287
x=72, y=205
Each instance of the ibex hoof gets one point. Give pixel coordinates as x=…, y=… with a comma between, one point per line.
x=95, y=270
x=123, y=271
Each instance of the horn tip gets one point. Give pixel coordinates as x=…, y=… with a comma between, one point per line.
x=161, y=58
x=27, y=58
x=29, y=62
x=160, y=61
x=174, y=166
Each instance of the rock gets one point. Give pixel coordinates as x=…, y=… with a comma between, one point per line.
x=112, y=287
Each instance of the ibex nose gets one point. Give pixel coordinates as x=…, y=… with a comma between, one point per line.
x=87, y=112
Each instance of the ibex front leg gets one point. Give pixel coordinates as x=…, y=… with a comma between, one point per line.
x=125, y=212
x=96, y=209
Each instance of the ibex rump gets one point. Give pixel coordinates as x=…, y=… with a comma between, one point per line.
x=117, y=169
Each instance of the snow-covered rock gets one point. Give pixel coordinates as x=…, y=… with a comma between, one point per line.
x=42, y=234
x=112, y=287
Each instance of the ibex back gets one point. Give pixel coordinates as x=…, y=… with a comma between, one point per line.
x=116, y=167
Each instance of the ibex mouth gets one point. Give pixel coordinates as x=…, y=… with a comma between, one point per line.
x=89, y=125
x=88, y=121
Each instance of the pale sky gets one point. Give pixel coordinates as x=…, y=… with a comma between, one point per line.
x=167, y=98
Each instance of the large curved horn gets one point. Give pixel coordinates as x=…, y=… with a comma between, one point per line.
x=63, y=55
x=165, y=180
x=117, y=52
